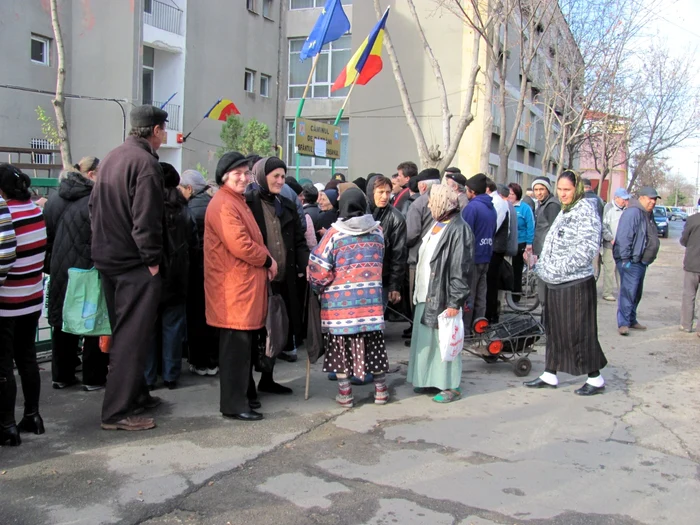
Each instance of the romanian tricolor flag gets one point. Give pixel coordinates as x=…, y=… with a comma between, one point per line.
x=367, y=60
x=222, y=109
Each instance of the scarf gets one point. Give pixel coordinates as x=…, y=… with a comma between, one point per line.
x=260, y=178
x=578, y=193
x=443, y=202
x=353, y=204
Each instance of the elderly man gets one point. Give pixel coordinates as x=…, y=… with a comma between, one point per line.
x=636, y=247
x=691, y=266
x=611, y=218
x=126, y=206
x=457, y=182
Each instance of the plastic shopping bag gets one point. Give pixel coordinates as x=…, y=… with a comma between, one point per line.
x=85, y=307
x=450, y=336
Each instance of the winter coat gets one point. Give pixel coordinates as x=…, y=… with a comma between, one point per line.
x=126, y=207
x=597, y=202
x=321, y=219
x=451, y=268
x=406, y=203
x=419, y=220
x=182, y=246
x=8, y=243
x=547, y=211
x=571, y=245
x=69, y=238
x=235, y=264
x=691, y=240
x=637, y=238
x=297, y=256
x=198, y=208
x=526, y=223
x=611, y=219
x=480, y=215
x=348, y=262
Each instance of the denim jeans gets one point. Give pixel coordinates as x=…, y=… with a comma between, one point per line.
x=172, y=326
x=631, y=287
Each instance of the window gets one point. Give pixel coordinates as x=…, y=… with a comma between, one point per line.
x=308, y=4
x=533, y=129
x=147, y=74
x=493, y=169
x=519, y=177
x=267, y=8
x=264, y=85
x=40, y=50
x=332, y=59
x=148, y=6
x=250, y=4
x=313, y=162
x=41, y=158
x=495, y=108
x=249, y=81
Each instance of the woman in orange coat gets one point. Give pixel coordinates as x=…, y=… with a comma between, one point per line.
x=237, y=267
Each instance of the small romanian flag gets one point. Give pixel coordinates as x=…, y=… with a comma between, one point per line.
x=222, y=109
x=367, y=60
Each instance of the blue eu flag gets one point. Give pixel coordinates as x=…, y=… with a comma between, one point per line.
x=331, y=25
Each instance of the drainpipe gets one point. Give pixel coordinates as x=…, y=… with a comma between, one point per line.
x=280, y=56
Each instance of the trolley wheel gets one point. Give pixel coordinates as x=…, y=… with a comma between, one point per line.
x=522, y=367
x=490, y=358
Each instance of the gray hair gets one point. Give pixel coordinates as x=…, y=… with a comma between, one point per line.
x=503, y=191
x=194, y=179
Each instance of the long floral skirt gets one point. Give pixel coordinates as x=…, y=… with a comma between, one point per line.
x=356, y=354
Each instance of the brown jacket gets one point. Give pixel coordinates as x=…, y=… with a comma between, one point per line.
x=235, y=264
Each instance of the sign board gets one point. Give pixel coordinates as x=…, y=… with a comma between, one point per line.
x=317, y=139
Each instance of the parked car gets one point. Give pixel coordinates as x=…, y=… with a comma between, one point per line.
x=675, y=214
x=661, y=219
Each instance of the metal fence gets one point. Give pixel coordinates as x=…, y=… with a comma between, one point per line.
x=173, y=114
x=163, y=16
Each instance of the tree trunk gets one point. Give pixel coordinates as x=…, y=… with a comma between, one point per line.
x=59, y=100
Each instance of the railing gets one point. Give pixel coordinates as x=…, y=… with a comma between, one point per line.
x=173, y=113
x=163, y=16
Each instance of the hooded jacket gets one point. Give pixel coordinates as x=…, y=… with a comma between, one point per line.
x=637, y=238
x=395, y=249
x=480, y=215
x=69, y=238
x=547, y=211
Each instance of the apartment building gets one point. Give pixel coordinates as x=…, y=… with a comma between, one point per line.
x=187, y=54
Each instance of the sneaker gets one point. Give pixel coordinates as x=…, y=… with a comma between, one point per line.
x=92, y=388
x=199, y=371
x=684, y=329
x=609, y=298
x=212, y=371
x=623, y=330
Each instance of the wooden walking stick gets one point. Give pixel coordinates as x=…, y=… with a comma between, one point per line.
x=308, y=378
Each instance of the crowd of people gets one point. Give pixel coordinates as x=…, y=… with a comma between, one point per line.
x=188, y=268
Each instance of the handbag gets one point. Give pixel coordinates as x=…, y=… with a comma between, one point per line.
x=85, y=307
x=277, y=325
x=314, y=335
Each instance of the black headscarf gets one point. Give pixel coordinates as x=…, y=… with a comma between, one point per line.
x=361, y=183
x=353, y=204
x=260, y=171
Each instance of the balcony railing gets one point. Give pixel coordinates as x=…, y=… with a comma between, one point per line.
x=163, y=16
x=173, y=114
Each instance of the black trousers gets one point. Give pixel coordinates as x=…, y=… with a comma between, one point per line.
x=493, y=278
x=132, y=301
x=202, y=339
x=64, y=358
x=518, y=265
x=236, y=350
x=17, y=337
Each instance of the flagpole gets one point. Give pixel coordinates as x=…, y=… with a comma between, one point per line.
x=340, y=115
x=300, y=107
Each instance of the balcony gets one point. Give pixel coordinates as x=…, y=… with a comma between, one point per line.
x=173, y=114
x=163, y=16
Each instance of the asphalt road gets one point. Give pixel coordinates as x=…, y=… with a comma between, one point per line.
x=502, y=454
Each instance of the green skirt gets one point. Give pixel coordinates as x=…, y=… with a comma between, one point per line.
x=425, y=367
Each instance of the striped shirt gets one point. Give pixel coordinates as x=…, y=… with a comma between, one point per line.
x=8, y=243
x=23, y=291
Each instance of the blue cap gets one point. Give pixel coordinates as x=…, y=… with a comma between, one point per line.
x=622, y=193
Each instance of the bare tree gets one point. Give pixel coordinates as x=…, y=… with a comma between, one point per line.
x=430, y=155
x=59, y=100
x=654, y=173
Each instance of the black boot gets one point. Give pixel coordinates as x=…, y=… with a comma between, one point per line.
x=9, y=435
x=32, y=423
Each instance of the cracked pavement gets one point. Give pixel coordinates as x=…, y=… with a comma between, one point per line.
x=500, y=455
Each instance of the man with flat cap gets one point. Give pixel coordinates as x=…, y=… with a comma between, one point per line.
x=126, y=206
x=457, y=182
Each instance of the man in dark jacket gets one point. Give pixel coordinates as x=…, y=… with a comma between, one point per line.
x=691, y=264
x=126, y=206
x=480, y=215
x=202, y=339
x=636, y=247
x=590, y=194
x=394, y=228
x=404, y=172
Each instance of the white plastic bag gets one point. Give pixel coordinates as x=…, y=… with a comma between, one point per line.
x=450, y=336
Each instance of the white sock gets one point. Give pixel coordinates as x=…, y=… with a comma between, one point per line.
x=596, y=381
x=549, y=378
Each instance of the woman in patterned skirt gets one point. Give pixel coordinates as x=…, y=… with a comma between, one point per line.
x=566, y=267
x=345, y=268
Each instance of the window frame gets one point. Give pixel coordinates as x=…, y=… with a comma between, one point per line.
x=152, y=69
x=252, y=82
x=267, y=6
x=148, y=3
x=327, y=50
x=46, y=42
x=251, y=5
x=317, y=163
x=268, y=79
x=316, y=4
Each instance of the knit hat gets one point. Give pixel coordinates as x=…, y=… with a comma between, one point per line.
x=292, y=183
x=477, y=183
x=171, y=178
x=194, y=179
x=543, y=182
x=272, y=163
x=228, y=162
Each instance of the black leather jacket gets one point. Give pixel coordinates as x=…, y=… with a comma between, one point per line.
x=450, y=271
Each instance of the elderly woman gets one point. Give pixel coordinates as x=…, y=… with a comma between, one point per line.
x=445, y=263
x=526, y=234
x=565, y=267
x=348, y=263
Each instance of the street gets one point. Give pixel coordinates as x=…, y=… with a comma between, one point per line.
x=502, y=454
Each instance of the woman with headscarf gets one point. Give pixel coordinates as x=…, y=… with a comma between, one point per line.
x=445, y=263
x=348, y=262
x=327, y=211
x=279, y=223
x=565, y=266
